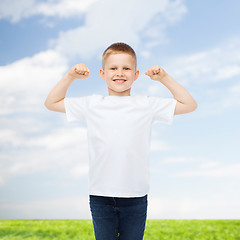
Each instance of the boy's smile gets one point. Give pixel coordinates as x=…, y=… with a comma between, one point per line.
x=119, y=73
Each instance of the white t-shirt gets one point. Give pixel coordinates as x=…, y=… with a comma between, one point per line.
x=119, y=135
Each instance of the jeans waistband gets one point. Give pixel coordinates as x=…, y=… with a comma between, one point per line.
x=117, y=201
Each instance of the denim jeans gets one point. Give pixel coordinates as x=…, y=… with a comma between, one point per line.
x=117, y=218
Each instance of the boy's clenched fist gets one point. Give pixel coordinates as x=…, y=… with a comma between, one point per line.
x=156, y=73
x=80, y=71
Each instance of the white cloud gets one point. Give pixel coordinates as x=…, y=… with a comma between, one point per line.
x=61, y=148
x=231, y=98
x=145, y=54
x=217, y=206
x=15, y=10
x=230, y=170
x=25, y=83
x=18, y=10
x=79, y=171
x=59, y=138
x=203, y=167
x=210, y=164
x=213, y=65
x=203, y=74
x=182, y=159
x=24, y=86
x=235, y=89
x=59, y=208
x=9, y=137
x=63, y=8
x=106, y=24
x=158, y=145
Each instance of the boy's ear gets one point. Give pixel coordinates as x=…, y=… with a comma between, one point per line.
x=136, y=75
x=102, y=74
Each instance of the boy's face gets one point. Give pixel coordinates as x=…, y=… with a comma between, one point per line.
x=119, y=66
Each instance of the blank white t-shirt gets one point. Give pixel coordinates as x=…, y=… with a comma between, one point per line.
x=119, y=135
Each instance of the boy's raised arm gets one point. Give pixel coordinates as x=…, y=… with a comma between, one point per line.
x=185, y=102
x=55, y=99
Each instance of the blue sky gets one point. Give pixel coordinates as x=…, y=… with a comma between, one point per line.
x=194, y=164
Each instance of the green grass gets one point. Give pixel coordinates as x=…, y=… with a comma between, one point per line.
x=155, y=229
x=192, y=230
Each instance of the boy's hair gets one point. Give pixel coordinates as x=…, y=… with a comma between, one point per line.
x=118, y=47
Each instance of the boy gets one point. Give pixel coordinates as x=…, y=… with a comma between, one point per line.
x=119, y=132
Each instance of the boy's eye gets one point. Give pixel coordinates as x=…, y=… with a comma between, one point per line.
x=113, y=68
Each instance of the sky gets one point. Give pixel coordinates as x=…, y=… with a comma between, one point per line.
x=194, y=163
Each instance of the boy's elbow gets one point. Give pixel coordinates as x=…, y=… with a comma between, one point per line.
x=47, y=105
x=56, y=107
x=193, y=105
x=193, y=108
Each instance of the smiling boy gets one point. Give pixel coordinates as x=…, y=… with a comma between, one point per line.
x=119, y=71
x=119, y=134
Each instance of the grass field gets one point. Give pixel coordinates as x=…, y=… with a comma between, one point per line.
x=155, y=229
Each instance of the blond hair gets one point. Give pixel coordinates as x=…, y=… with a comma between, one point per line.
x=118, y=47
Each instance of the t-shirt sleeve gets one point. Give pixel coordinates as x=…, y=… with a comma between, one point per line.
x=76, y=108
x=163, y=109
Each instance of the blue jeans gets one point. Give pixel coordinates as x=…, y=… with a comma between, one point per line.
x=117, y=218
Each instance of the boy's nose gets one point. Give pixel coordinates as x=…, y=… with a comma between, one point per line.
x=119, y=73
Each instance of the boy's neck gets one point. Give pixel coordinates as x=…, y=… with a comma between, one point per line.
x=119, y=94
